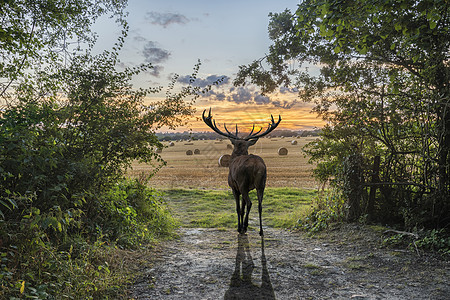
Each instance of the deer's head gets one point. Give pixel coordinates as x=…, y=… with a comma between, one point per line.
x=240, y=144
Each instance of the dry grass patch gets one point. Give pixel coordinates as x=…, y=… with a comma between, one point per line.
x=203, y=171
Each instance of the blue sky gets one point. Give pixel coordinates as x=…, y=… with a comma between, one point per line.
x=174, y=34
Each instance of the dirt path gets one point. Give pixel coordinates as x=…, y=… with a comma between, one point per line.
x=346, y=264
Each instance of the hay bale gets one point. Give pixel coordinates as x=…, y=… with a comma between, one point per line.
x=196, y=151
x=158, y=150
x=282, y=151
x=229, y=146
x=189, y=152
x=224, y=160
x=294, y=142
x=171, y=144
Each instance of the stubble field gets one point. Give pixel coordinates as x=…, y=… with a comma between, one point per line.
x=202, y=171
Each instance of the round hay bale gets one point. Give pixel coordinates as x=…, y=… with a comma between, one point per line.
x=189, y=152
x=229, y=146
x=224, y=160
x=158, y=150
x=294, y=142
x=282, y=151
x=171, y=144
x=196, y=151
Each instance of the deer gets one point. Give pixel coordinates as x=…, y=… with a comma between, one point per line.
x=246, y=171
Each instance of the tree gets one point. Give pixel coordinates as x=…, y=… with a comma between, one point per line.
x=383, y=87
x=36, y=32
x=70, y=127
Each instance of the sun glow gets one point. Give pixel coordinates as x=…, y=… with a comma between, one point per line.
x=246, y=116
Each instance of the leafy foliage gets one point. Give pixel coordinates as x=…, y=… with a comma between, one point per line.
x=70, y=126
x=382, y=88
x=436, y=240
x=133, y=214
x=326, y=209
x=66, y=145
x=78, y=265
x=41, y=31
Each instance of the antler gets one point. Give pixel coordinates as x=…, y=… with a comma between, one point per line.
x=212, y=124
x=271, y=127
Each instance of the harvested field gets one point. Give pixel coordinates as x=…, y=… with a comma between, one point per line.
x=203, y=171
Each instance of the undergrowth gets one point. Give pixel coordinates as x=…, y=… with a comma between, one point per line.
x=326, y=209
x=329, y=208
x=83, y=261
x=436, y=241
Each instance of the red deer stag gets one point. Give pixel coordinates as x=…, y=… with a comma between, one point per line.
x=247, y=172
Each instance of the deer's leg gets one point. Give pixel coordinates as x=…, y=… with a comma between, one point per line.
x=243, y=228
x=260, y=194
x=236, y=195
x=246, y=201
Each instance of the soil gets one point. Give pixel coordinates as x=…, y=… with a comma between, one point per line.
x=348, y=262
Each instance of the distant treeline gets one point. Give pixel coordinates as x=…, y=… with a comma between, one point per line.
x=174, y=136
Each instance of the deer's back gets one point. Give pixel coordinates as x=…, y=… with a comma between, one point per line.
x=247, y=172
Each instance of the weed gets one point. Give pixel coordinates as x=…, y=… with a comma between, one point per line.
x=435, y=240
x=324, y=211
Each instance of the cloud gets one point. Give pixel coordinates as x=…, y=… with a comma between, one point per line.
x=139, y=38
x=221, y=96
x=199, y=82
x=285, y=90
x=260, y=99
x=156, y=70
x=284, y=104
x=248, y=95
x=154, y=54
x=240, y=95
x=166, y=19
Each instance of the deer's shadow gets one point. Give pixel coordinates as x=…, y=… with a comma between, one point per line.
x=241, y=285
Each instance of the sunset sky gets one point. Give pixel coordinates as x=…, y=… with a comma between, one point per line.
x=173, y=35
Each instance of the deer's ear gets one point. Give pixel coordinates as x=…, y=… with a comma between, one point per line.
x=252, y=142
x=232, y=141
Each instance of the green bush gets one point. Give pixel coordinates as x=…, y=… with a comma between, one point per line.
x=435, y=240
x=326, y=209
x=132, y=213
x=66, y=140
x=37, y=261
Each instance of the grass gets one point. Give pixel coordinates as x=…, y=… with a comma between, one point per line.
x=196, y=188
x=282, y=207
